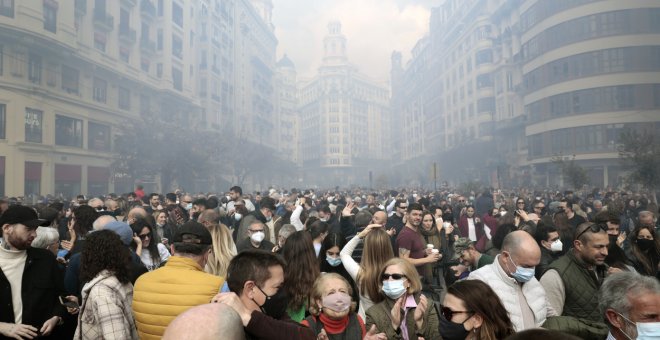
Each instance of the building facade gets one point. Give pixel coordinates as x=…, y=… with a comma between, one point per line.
x=288, y=117
x=344, y=116
x=517, y=84
x=74, y=73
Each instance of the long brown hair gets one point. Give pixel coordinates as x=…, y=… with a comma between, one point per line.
x=479, y=298
x=301, y=270
x=377, y=250
x=648, y=259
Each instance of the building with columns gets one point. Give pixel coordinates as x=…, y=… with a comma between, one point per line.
x=344, y=115
x=74, y=73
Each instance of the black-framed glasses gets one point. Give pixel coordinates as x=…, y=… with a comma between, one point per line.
x=143, y=237
x=521, y=202
x=403, y=207
x=386, y=276
x=594, y=229
x=448, y=314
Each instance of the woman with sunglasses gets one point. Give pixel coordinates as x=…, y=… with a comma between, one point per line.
x=404, y=313
x=472, y=310
x=153, y=254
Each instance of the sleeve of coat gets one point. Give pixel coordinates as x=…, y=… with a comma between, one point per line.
x=111, y=318
x=554, y=290
x=382, y=322
x=262, y=326
x=431, y=325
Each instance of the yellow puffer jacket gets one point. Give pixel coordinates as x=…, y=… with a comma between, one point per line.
x=161, y=295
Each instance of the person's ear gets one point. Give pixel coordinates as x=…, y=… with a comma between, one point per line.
x=544, y=243
x=577, y=244
x=477, y=321
x=614, y=318
x=248, y=289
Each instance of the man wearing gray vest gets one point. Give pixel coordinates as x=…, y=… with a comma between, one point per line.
x=572, y=281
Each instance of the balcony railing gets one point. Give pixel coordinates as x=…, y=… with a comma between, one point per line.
x=127, y=34
x=103, y=20
x=148, y=46
x=148, y=9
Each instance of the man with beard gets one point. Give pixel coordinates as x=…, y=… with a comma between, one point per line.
x=630, y=304
x=572, y=282
x=30, y=280
x=410, y=242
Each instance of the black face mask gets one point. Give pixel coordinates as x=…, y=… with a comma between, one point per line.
x=275, y=305
x=452, y=331
x=645, y=244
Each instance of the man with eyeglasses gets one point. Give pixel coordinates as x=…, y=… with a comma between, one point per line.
x=539, y=208
x=572, y=282
x=255, y=238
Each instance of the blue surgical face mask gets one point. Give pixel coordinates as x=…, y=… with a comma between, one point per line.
x=188, y=206
x=522, y=274
x=394, y=289
x=645, y=330
x=333, y=261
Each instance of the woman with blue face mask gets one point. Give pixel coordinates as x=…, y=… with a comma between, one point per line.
x=404, y=313
x=330, y=262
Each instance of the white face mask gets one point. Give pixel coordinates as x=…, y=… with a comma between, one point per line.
x=238, y=216
x=258, y=237
x=556, y=246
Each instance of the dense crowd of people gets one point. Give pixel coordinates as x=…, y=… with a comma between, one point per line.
x=332, y=264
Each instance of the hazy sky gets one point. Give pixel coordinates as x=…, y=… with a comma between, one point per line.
x=373, y=28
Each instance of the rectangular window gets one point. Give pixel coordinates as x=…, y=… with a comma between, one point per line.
x=70, y=79
x=177, y=14
x=50, y=15
x=68, y=131
x=7, y=8
x=1, y=58
x=124, y=99
x=159, y=39
x=34, y=68
x=177, y=46
x=98, y=137
x=100, y=90
x=3, y=121
x=145, y=104
x=32, y=178
x=177, y=79
x=161, y=8
x=67, y=179
x=99, y=41
x=33, y=125
x=485, y=56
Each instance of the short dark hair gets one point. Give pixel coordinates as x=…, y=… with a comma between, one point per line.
x=605, y=216
x=236, y=189
x=200, y=201
x=151, y=195
x=399, y=201
x=251, y=265
x=325, y=209
x=542, y=232
x=414, y=206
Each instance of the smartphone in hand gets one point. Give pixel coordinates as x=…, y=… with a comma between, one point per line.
x=68, y=303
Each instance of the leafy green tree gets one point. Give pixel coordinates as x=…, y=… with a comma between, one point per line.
x=640, y=153
x=571, y=172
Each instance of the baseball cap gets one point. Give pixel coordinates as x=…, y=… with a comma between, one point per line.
x=461, y=244
x=194, y=228
x=122, y=229
x=23, y=215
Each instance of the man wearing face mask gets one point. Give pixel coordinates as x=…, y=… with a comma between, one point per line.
x=512, y=277
x=630, y=305
x=547, y=237
x=256, y=281
x=264, y=215
x=255, y=238
x=616, y=256
x=573, y=280
x=159, y=296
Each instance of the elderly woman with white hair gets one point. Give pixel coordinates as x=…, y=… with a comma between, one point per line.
x=47, y=238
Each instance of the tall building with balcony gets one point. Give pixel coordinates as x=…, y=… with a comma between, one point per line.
x=444, y=97
x=344, y=116
x=503, y=87
x=254, y=73
x=72, y=73
x=288, y=117
x=590, y=69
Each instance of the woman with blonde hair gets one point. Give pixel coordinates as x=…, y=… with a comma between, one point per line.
x=404, y=312
x=377, y=250
x=333, y=311
x=224, y=249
